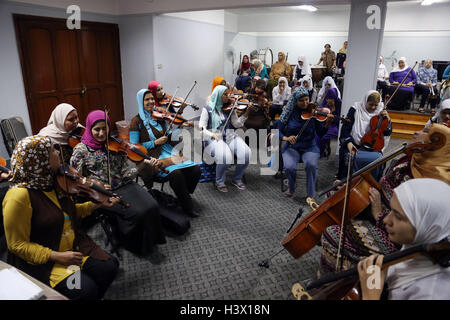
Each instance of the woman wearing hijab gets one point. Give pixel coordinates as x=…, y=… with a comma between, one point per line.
x=41, y=225
x=443, y=114
x=258, y=69
x=419, y=215
x=327, y=83
x=354, y=130
x=332, y=102
x=302, y=69
x=183, y=174
x=306, y=82
x=367, y=234
x=258, y=117
x=221, y=142
x=216, y=82
x=243, y=80
x=62, y=123
x=158, y=92
x=382, y=77
x=280, y=97
x=281, y=68
x=405, y=94
x=139, y=226
x=304, y=148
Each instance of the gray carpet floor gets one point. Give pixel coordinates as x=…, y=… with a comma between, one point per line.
x=217, y=259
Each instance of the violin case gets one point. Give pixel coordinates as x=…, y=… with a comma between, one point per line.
x=13, y=130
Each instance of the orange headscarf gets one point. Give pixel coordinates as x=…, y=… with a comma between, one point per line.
x=216, y=82
x=433, y=164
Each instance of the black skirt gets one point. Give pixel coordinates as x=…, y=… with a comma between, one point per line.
x=139, y=226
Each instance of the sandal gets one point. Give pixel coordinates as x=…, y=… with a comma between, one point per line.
x=222, y=187
x=240, y=185
x=288, y=194
x=421, y=110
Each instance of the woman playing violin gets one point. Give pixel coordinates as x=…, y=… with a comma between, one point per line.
x=258, y=117
x=419, y=215
x=332, y=102
x=303, y=148
x=222, y=144
x=354, y=130
x=62, y=123
x=139, y=226
x=367, y=234
x=184, y=174
x=41, y=225
x=160, y=97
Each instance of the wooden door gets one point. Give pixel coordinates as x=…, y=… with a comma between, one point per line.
x=80, y=67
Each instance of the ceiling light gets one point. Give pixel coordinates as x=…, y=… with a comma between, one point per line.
x=427, y=2
x=306, y=7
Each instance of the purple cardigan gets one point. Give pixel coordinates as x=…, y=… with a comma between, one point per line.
x=398, y=77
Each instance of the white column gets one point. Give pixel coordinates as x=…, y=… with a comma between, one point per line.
x=365, y=37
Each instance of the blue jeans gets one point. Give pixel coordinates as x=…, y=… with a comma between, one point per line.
x=224, y=152
x=291, y=158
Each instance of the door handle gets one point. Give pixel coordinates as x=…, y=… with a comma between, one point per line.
x=83, y=90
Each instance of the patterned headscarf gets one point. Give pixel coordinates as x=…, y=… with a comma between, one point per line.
x=216, y=105
x=152, y=86
x=30, y=164
x=298, y=93
x=92, y=118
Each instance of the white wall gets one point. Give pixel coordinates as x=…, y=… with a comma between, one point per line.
x=240, y=45
x=187, y=50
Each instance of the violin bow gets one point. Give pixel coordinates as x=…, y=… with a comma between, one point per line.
x=400, y=85
x=171, y=100
x=178, y=111
x=345, y=209
x=108, y=167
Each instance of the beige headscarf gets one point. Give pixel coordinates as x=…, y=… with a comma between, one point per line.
x=433, y=164
x=280, y=69
x=55, y=126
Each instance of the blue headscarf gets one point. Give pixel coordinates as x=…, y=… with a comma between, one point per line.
x=216, y=105
x=145, y=115
x=298, y=93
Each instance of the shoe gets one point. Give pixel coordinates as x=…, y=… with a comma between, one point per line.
x=193, y=214
x=222, y=188
x=240, y=185
x=421, y=110
x=288, y=194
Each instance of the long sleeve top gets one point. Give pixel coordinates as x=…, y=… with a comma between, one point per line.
x=204, y=121
x=279, y=98
x=17, y=215
x=263, y=74
x=399, y=75
x=446, y=73
x=425, y=76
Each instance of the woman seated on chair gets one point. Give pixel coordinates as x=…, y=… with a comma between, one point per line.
x=280, y=96
x=303, y=148
x=62, y=123
x=443, y=114
x=332, y=102
x=139, y=226
x=306, y=82
x=405, y=93
x=258, y=116
x=221, y=142
x=327, y=83
x=354, y=129
x=161, y=98
x=281, y=68
x=367, y=234
x=243, y=79
x=183, y=174
x=259, y=69
x=41, y=226
x=301, y=70
x=419, y=215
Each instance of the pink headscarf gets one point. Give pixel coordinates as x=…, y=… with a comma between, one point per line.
x=152, y=86
x=92, y=118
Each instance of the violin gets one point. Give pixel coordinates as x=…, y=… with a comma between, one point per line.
x=161, y=114
x=71, y=182
x=177, y=102
x=321, y=114
x=135, y=152
x=346, y=283
x=75, y=137
x=308, y=233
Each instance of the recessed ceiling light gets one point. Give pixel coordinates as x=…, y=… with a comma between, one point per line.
x=306, y=7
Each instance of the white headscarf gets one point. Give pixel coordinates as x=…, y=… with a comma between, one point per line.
x=310, y=83
x=362, y=119
x=437, y=117
x=397, y=68
x=324, y=88
x=426, y=203
x=306, y=69
x=286, y=92
x=55, y=126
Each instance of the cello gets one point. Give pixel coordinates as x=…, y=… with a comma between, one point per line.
x=308, y=233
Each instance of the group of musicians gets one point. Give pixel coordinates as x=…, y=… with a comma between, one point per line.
x=41, y=219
